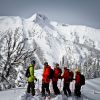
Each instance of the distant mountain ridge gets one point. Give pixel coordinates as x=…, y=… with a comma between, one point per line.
x=71, y=45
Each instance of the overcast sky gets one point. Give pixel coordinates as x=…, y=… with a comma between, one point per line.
x=80, y=12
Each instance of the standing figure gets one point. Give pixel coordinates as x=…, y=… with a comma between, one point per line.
x=57, y=74
x=30, y=77
x=46, y=79
x=77, y=90
x=66, y=84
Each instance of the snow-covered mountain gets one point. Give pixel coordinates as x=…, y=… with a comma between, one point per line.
x=71, y=45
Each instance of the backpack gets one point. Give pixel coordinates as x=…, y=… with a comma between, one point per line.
x=27, y=74
x=82, y=79
x=71, y=75
x=60, y=71
x=51, y=73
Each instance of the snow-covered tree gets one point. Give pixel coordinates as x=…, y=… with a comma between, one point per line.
x=12, y=54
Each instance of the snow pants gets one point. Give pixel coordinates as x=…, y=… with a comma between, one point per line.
x=66, y=88
x=31, y=88
x=77, y=90
x=55, y=88
x=45, y=88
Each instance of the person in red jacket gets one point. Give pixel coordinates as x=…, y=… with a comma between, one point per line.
x=66, y=84
x=77, y=90
x=57, y=74
x=46, y=79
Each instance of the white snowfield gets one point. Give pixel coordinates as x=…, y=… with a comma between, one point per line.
x=91, y=91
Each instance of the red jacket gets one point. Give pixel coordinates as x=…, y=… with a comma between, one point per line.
x=46, y=74
x=57, y=74
x=66, y=76
x=77, y=78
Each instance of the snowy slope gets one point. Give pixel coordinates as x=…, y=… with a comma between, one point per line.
x=91, y=91
x=53, y=38
x=71, y=45
x=10, y=23
x=56, y=38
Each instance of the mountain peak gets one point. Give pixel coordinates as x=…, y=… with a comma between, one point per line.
x=38, y=17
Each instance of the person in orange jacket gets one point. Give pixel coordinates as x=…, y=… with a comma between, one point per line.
x=57, y=74
x=46, y=79
x=66, y=85
x=77, y=90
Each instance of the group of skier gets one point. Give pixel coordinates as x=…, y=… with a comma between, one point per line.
x=53, y=75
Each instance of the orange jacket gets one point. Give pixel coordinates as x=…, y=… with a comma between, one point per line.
x=46, y=74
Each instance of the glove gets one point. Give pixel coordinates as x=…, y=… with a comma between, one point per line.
x=59, y=77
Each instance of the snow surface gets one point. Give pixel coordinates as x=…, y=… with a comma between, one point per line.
x=91, y=91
